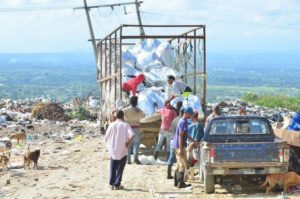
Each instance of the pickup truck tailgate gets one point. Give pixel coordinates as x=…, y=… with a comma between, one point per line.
x=246, y=152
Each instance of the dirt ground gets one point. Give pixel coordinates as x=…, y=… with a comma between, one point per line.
x=80, y=169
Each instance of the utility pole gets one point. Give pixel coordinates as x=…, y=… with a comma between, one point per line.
x=86, y=8
x=137, y=6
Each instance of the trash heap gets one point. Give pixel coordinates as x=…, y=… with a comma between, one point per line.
x=231, y=107
x=156, y=61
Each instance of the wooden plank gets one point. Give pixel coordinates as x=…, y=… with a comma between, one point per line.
x=109, y=77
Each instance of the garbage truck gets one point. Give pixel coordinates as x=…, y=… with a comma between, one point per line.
x=178, y=50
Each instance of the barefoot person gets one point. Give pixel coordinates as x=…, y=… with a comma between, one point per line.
x=132, y=116
x=118, y=137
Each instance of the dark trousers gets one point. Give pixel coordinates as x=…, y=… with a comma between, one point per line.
x=116, y=171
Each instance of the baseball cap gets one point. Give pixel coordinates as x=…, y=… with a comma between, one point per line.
x=188, y=110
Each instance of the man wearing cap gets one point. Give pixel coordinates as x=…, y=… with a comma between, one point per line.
x=180, y=144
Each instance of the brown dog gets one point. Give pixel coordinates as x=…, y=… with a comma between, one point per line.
x=19, y=136
x=282, y=179
x=31, y=156
x=4, y=161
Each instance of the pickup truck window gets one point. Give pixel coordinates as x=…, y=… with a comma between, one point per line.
x=236, y=127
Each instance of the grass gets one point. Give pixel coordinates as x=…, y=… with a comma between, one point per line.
x=291, y=103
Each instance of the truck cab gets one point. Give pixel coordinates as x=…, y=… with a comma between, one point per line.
x=240, y=145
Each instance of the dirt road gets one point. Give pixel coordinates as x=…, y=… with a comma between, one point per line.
x=80, y=169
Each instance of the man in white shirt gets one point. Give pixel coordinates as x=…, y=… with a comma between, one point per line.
x=175, y=88
x=118, y=137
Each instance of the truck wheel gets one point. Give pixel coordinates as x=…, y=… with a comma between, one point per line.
x=209, y=183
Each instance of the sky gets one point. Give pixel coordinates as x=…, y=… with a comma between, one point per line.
x=233, y=26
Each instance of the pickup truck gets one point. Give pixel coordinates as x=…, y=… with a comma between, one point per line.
x=240, y=145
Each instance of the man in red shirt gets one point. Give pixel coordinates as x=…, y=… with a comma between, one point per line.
x=167, y=115
x=132, y=84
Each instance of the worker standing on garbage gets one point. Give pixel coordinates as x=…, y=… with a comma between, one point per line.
x=118, y=137
x=175, y=88
x=132, y=116
x=132, y=84
x=180, y=144
x=167, y=115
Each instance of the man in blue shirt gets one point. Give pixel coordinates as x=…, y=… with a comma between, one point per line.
x=295, y=122
x=180, y=145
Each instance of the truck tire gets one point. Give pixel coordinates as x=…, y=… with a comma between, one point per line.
x=209, y=183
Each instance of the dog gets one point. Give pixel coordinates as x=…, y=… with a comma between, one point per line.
x=31, y=156
x=281, y=179
x=19, y=136
x=4, y=161
x=30, y=127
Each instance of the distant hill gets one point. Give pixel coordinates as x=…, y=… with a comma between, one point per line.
x=64, y=75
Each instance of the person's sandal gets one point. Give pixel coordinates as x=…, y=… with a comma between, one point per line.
x=112, y=187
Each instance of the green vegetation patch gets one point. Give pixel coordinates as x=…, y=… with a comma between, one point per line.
x=79, y=113
x=292, y=103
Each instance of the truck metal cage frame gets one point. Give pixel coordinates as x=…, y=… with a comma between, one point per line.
x=189, y=47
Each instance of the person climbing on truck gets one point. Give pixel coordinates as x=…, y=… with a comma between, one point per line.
x=132, y=84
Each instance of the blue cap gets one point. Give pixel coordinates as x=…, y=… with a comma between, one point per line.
x=188, y=110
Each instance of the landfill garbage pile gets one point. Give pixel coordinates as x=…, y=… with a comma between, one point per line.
x=51, y=111
x=47, y=119
x=231, y=107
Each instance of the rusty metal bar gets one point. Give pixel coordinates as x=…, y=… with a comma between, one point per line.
x=190, y=31
x=185, y=46
x=115, y=71
x=164, y=26
x=161, y=37
x=120, y=68
x=195, y=59
x=203, y=100
x=112, y=32
x=99, y=78
x=110, y=57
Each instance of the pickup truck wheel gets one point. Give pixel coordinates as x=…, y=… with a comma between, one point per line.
x=209, y=183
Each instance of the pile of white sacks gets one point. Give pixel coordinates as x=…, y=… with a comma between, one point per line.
x=155, y=60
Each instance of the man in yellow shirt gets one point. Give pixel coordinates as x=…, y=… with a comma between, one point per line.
x=132, y=116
